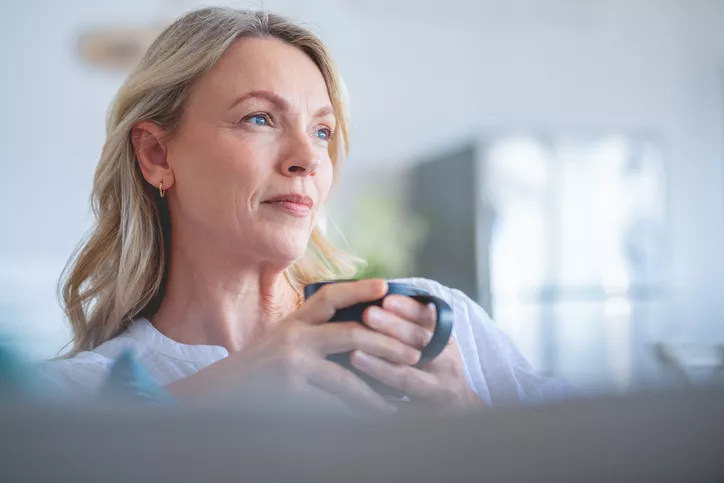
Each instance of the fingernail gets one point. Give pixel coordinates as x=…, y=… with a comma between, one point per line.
x=391, y=303
x=374, y=314
x=361, y=359
x=380, y=285
x=414, y=357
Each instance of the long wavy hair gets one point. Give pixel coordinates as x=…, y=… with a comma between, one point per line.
x=119, y=272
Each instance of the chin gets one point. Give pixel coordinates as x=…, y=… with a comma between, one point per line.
x=288, y=249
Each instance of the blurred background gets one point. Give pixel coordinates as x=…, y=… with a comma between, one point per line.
x=560, y=161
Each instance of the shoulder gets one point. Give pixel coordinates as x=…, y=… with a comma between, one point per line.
x=86, y=371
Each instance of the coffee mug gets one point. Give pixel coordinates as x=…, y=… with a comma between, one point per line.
x=440, y=337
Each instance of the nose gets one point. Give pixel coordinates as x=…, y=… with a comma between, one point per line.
x=302, y=159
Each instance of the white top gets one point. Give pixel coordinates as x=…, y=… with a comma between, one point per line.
x=494, y=368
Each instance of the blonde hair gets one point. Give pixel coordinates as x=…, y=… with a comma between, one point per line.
x=119, y=272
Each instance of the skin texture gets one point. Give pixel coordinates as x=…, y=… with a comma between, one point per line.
x=258, y=126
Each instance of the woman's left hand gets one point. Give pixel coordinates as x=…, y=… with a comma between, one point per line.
x=441, y=381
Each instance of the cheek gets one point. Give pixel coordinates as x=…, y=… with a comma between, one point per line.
x=237, y=162
x=216, y=174
x=323, y=181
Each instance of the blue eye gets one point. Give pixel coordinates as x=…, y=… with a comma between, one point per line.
x=258, y=120
x=324, y=134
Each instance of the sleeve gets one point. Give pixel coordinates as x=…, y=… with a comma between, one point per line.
x=497, y=371
x=80, y=376
x=90, y=376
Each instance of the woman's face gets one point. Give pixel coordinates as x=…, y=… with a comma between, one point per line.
x=250, y=160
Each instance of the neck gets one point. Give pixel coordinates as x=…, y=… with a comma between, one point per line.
x=209, y=302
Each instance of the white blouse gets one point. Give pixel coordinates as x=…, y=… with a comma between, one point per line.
x=494, y=368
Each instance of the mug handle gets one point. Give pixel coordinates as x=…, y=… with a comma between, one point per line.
x=443, y=327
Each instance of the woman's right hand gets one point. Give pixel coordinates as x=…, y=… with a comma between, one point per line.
x=291, y=354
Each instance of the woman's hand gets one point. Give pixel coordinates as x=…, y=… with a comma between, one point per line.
x=291, y=353
x=441, y=381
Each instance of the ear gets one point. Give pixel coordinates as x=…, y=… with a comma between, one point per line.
x=149, y=143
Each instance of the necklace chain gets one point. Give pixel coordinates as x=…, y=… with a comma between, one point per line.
x=300, y=298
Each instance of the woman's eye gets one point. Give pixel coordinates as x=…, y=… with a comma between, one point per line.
x=258, y=120
x=324, y=134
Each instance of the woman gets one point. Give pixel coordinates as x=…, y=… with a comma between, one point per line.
x=221, y=149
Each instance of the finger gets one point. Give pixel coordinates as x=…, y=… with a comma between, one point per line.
x=335, y=379
x=412, y=310
x=408, y=379
x=391, y=324
x=444, y=363
x=338, y=337
x=327, y=300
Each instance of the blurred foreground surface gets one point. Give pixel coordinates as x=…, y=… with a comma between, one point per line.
x=649, y=437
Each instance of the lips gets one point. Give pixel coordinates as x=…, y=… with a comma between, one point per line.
x=293, y=204
x=294, y=198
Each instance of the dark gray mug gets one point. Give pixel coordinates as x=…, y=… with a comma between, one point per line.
x=440, y=337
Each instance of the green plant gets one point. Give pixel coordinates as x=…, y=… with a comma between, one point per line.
x=385, y=236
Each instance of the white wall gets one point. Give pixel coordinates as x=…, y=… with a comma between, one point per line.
x=420, y=78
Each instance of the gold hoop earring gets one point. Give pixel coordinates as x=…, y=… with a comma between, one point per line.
x=161, y=191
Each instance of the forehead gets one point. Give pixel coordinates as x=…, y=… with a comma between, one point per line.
x=265, y=64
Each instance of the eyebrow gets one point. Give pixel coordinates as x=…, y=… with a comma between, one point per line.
x=280, y=102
